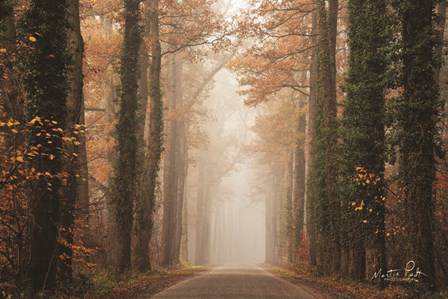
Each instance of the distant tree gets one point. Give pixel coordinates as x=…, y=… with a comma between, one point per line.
x=172, y=167
x=126, y=165
x=44, y=61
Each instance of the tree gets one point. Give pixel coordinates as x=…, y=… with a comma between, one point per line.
x=126, y=167
x=324, y=215
x=363, y=158
x=146, y=207
x=182, y=40
x=172, y=210
x=76, y=189
x=44, y=63
x=417, y=117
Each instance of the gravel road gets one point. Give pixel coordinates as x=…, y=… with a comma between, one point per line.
x=235, y=281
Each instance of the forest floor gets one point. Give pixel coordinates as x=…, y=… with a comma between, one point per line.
x=327, y=287
x=135, y=285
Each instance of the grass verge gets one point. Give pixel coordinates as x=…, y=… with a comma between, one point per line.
x=104, y=285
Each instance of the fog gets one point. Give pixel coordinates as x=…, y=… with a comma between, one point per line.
x=237, y=214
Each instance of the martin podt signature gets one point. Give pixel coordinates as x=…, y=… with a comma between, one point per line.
x=410, y=273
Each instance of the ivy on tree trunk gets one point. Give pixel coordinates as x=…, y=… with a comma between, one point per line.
x=126, y=166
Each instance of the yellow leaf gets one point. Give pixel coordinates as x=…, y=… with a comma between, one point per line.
x=20, y=159
x=51, y=156
x=32, y=39
x=365, y=221
x=76, y=143
x=75, y=154
x=34, y=120
x=353, y=203
x=14, y=131
x=3, y=50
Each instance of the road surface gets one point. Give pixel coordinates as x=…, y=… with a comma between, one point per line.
x=235, y=282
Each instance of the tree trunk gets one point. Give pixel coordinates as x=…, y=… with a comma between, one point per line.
x=299, y=186
x=270, y=231
x=171, y=171
x=76, y=190
x=324, y=205
x=289, y=208
x=126, y=167
x=144, y=221
x=419, y=110
x=203, y=223
x=310, y=144
x=182, y=172
x=46, y=87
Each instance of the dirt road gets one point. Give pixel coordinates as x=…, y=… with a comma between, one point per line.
x=235, y=281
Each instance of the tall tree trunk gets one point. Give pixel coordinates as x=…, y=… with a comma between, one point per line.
x=182, y=163
x=46, y=87
x=363, y=136
x=289, y=207
x=270, y=231
x=170, y=170
x=203, y=220
x=299, y=185
x=76, y=190
x=126, y=166
x=310, y=144
x=328, y=65
x=418, y=117
x=324, y=206
x=144, y=221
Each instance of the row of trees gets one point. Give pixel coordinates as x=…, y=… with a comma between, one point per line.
x=77, y=107
x=368, y=73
